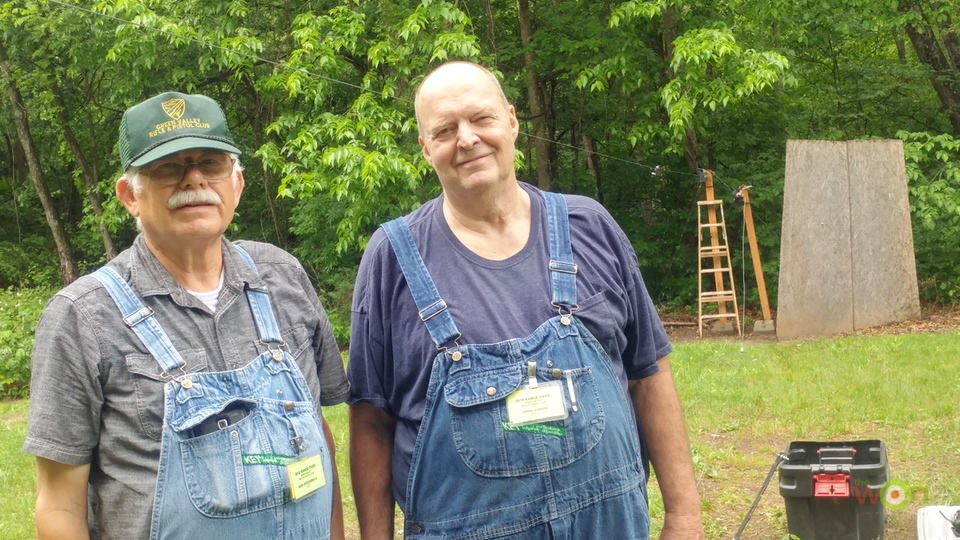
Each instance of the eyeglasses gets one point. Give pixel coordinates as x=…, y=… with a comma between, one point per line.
x=213, y=167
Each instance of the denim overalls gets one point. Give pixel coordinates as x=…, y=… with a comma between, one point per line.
x=477, y=472
x=235, y=480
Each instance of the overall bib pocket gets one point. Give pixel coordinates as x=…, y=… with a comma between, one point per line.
x=491, y=445
x=242, y=468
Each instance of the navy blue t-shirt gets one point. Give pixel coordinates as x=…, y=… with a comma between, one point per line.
x=391, y=352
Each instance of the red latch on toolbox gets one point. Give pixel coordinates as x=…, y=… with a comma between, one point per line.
x=831, y=485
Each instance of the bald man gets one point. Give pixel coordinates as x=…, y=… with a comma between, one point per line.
x=504, y=350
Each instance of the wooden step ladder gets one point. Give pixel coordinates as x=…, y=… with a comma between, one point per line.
x=720, y=267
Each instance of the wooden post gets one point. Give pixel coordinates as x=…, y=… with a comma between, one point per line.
x=755, y=252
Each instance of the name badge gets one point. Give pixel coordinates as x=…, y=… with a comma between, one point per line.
x=531, y=405
x=306, y=476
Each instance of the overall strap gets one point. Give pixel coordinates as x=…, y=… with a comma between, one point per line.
x=563, y=271
x=140, y=319
x=433, y=310
x=259, y=300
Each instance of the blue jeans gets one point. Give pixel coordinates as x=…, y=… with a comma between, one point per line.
x=475, y=473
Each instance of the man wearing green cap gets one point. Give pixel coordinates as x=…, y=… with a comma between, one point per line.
x=176, y=391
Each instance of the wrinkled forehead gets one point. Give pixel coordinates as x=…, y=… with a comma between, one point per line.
x=455, y=80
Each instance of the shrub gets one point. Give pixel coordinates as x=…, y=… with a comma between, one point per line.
x=934, y=179
x=19, y=312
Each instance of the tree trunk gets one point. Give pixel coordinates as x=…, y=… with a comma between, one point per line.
x=262, y=115
x=937, y=45
x=68, y=267
x=491, y=28
x=537, y=113
x=13, y=173
x=593, y=164
x=87, y=171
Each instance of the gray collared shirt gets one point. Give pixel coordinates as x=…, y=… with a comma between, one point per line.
x=97, y=394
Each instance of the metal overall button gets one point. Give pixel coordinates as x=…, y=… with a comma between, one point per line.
x=491, y=390
x=288, y=405
x=276, y=353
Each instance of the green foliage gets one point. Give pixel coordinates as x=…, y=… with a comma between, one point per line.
x=27, y=263
x=20, y=310
x=319, y=96
x=933, y=173
x=712, y=71
x=706, y=68
x=355, y=143
x=314, y=220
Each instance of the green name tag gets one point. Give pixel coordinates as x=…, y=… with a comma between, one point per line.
x=543, y=429
x=266, y=459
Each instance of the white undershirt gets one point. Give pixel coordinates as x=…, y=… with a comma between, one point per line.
x=209, y=298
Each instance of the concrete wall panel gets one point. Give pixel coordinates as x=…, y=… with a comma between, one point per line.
x=884, y=265
x=814, y=295
x=846, y=254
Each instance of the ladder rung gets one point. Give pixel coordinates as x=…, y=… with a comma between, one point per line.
x=720, y=316
x=715, y=293
x=709, y=225
x=713, y=270
x=713, y=252
x=730, y=300
x=709, y=203
x=713, y=296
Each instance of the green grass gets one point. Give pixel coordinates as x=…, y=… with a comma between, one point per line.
x=742, y=408
x=16, y=473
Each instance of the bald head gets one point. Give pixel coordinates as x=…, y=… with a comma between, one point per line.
x=456, y=70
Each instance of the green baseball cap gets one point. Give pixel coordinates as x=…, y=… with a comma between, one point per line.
x=169, y=123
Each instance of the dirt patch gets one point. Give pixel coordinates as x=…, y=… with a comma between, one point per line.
x=683, y=327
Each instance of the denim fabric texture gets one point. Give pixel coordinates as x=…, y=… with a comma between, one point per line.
x=237, y=472
x=473, y=475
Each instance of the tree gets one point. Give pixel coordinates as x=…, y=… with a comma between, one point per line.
x=620, y=101
x=933, y=32
x=68, y=267
x=535, y=101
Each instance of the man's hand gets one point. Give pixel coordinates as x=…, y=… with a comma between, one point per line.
x=659, y=414
x=680, y=527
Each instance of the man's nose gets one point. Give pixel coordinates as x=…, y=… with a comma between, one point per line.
x=192, y=174
x=467, y=136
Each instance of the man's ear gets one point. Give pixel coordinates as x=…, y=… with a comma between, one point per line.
x=426, y=151
x=127, y=196
x=238, y=188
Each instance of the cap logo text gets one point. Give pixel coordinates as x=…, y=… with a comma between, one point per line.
x=175, y=108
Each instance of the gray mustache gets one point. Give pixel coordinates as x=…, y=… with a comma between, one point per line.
x=201, y=196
